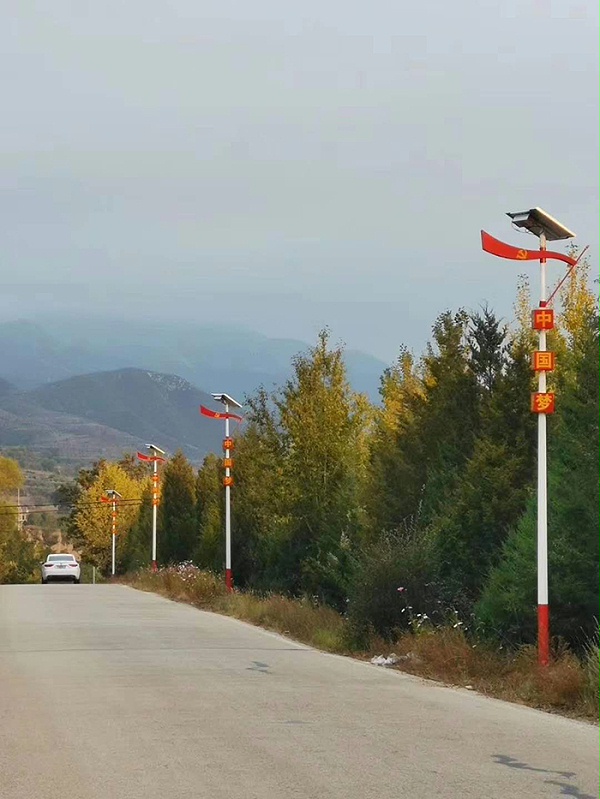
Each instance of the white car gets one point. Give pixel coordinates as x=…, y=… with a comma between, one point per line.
x=61, y=567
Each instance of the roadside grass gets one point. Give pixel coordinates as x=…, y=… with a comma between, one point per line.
x=318, y=626
x=569, y=685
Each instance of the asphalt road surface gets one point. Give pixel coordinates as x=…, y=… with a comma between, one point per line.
x=109, y=693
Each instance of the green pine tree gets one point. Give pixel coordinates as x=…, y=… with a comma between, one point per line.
x=178, y=540
x=492, y=489
x=508, y=604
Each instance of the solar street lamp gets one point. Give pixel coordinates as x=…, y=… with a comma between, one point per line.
x=155, y=456
x=229, y=403
x=539, y=223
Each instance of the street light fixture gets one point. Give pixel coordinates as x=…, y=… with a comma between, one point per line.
x=538, y=222
x=546, y=228
x=228, y=402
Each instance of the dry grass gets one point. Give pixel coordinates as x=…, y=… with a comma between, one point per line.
x=568, y=685
x=302, y=620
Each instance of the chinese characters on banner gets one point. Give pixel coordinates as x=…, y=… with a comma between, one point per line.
x=542, y=319
x=543, y=361
x=542, y=402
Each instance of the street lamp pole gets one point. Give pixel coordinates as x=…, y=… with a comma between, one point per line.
x=114, y=535
x=228, y=443
x=155, y=456
x=113, y=498
x=227, y=481
x=542, y=490
x=546, y=228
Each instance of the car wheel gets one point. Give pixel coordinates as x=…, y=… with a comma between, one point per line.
x=44, y=581
x=76, y=581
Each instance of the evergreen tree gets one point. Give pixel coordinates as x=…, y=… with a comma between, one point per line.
x=492, y=489
x=138, y=544
x=508, y=605
x=324, y=426
x=178, y=538
x=450, y=419
x=397, y=471
x=210, y=545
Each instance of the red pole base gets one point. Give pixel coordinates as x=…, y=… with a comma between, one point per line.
x=229, y=580
x=543, y=635
x=154, y=566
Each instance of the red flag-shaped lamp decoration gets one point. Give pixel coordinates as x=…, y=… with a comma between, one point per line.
x=150, y=458
x=217, y=415
x=502, y=250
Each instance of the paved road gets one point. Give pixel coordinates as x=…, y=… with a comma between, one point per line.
x=108, y=693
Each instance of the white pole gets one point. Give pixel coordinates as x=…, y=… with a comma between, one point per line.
x=93, y=575
x=154, y=511
x=542, y=496
x=228, y=574
x=114, y=533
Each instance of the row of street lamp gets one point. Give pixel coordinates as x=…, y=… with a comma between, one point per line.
x=155, y=456
x=546, y=228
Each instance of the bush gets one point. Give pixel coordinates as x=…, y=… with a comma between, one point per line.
x=392, y=582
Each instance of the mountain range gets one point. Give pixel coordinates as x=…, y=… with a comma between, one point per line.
x=104, y=414
x=77, y=391
x=224, y=358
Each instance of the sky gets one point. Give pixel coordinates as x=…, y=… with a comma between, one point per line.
x=284, y=166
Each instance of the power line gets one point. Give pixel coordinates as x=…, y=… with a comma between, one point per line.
x=47, y=508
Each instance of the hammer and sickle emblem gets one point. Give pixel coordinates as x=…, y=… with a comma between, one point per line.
x=522, y=255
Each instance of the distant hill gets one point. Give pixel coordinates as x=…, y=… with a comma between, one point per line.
x=216, y=358
x=150, y=406
x=104, y=414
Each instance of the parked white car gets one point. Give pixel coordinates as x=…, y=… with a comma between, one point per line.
x=61, y=567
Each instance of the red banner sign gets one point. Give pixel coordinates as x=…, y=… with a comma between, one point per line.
x=542, y=402
x=543, y=361
x=542, y=319
x=502, y=250
x=216, y=415
x=150, y=458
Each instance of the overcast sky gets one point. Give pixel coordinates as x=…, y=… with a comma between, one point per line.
x=284, y=165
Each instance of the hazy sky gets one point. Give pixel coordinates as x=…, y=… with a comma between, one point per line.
x=285, y=165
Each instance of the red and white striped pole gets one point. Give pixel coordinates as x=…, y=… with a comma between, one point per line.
x=154, y=510
x=113, y=497
x=154, y=458
x=542, y=494
x=228, y=478
x=227, y=481
x=114, y=534
x=546, y=228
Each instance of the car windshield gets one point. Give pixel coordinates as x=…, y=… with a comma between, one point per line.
x=55, y=558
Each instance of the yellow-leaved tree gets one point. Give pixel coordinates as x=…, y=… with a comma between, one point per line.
x=18, y=556
x=90, y=530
